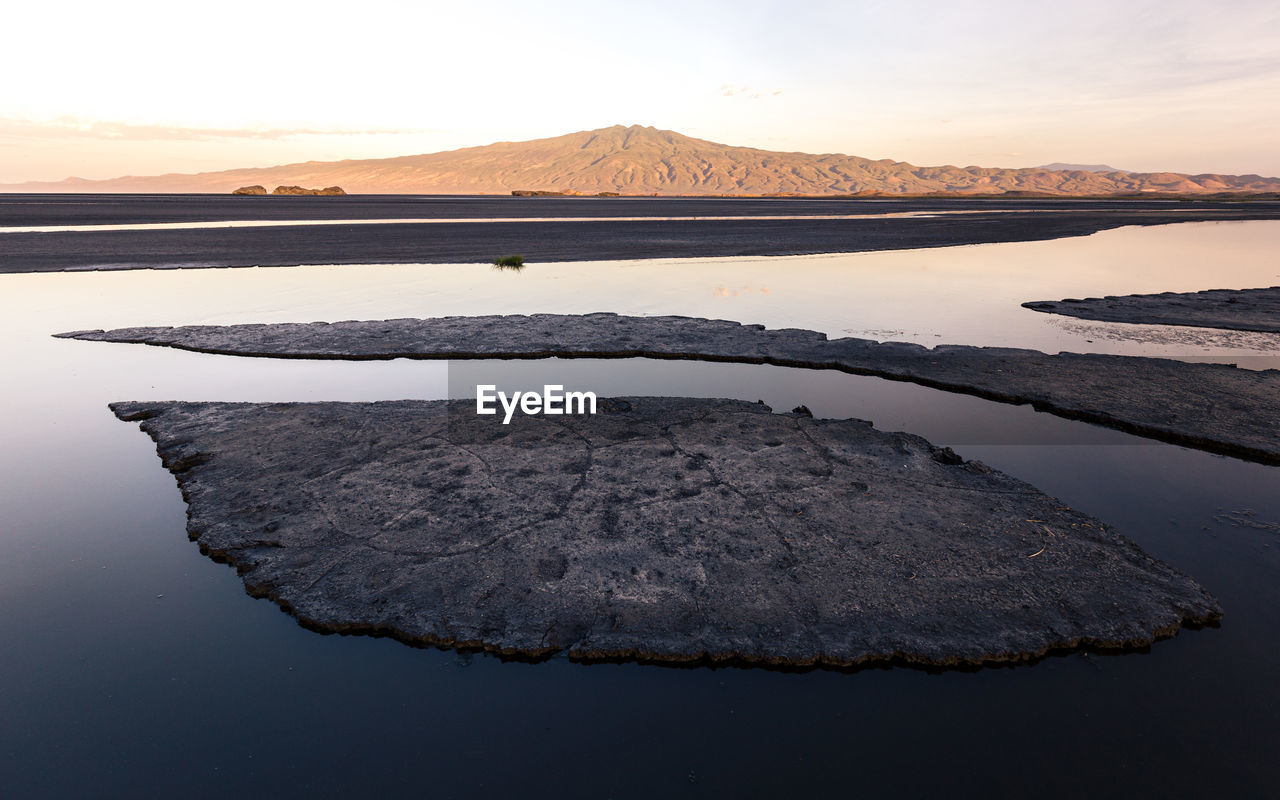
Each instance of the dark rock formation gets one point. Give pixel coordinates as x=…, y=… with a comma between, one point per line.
x=1232, y=309
x=661, y=528
x=250, y=190
x=1212, y=407
x=328, y=191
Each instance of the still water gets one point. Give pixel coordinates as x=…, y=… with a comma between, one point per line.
x=133, y=666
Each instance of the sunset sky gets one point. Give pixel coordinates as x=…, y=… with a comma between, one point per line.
x=100, y=90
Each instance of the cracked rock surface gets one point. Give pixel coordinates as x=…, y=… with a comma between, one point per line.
x=1232, y=309
x=1214, y=407
x=661, y=528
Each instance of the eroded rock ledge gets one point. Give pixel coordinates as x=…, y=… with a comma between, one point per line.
x=1232, y=309
x=661, y=529
x=1212, y=407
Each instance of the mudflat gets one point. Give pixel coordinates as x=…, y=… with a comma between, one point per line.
x=603, y=237
x=18, y=209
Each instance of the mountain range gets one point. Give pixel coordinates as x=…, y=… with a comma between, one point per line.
x=641, y=160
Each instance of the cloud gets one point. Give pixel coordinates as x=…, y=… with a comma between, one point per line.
x=76, y=128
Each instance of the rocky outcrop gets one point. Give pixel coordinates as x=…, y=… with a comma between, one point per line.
x=1230, y=309
x=328, y=191
x=662, y=529
x=1214, y=407
x=250, y=190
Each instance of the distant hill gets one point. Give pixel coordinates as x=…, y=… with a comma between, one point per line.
x=1058, y=165
x=641, y=160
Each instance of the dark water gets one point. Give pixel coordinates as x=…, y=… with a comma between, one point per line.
x=132, y=666
x=135, y=666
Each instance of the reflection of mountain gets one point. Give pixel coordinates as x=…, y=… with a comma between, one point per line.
x=639, y=160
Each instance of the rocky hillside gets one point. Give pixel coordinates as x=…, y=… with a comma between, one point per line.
x=641, y=160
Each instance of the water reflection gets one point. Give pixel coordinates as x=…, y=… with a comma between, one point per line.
x=957, y=295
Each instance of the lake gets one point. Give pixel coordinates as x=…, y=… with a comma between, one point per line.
x=132, y=665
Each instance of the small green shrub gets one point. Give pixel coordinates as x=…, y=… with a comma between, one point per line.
x=509, y=262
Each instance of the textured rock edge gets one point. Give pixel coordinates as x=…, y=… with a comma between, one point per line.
x=1211, y=308
x=1008, y=375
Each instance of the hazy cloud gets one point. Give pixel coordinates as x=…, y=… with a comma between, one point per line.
x=76, y=128
x=729, y=90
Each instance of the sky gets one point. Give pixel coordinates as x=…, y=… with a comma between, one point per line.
x=99, y=90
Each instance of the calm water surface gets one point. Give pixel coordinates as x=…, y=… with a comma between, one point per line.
x=134, y=666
